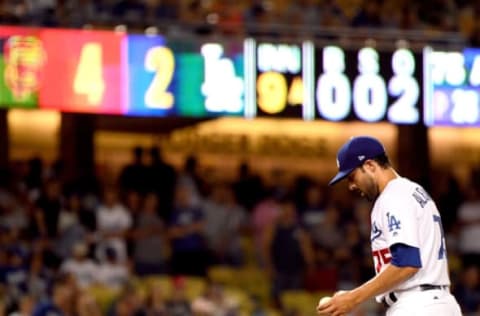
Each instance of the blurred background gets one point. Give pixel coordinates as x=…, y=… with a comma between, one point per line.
x=162, y=157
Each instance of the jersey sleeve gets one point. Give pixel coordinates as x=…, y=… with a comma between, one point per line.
x=399, y=219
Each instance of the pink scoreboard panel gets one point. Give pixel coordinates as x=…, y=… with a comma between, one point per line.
x=83, y=71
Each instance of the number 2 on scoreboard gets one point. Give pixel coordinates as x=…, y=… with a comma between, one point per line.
x=89, y=74
x=161, y=61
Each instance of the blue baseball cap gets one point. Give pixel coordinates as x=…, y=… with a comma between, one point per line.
x=354, y=153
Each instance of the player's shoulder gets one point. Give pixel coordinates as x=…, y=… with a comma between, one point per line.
x=397, y=187
x=398, y=191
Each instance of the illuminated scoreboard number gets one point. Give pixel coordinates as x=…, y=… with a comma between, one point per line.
x=88, y=76
x=83, y=71
x=279, y=81
x=368, y=85
x=150, y=71
x=453, y=93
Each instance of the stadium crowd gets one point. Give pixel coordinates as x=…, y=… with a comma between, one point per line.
x=61, y=242
x=246, y=16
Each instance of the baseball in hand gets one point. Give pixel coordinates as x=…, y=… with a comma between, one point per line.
x=324, y=300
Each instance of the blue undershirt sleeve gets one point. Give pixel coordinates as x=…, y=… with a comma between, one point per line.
x=405, y=256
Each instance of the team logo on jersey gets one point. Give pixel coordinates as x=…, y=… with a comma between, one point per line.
x=393, y=223
x=376, y=232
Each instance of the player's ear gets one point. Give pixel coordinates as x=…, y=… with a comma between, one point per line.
x=370, y=165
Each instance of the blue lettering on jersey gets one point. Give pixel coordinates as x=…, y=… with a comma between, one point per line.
x=376, y=232
x=421, y=196
x=393, y=223
x=442, y=251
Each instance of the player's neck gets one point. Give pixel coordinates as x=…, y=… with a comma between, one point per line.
x=385, y=177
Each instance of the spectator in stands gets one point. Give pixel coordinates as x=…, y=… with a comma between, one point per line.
x=113, y=223
x=214, y=301
x=40, y=277
x=162, y=10
x=161, y=179
x=80, y=12
x=187, y=233
x=438, y=14
x=128, y=303
x=264, y=214
x=25, y=307
x=113, y=272
x=303, y=12
x=47, y=210
x=16, y=275
x=401, y=15
x=448, y=193
x=469, y=220
x=467, y=291
x=191, y=174
x=62, y=299
x=149, y=234
x=230, y=17
x=70, y=227
x=178, y=304
x=13, y=215
x=352, y=257
x=327, y=235
x=369, y=15
x=332, y=15
x=133, y=175
x=86, y=305
x=34, y=177
x=130, y=12
x=133, y=201
x=155, y=304
x=361, y=214
x=193, y=12
x=84, y=269
x=225, y=221
x=313, y=211
x=288, y=251
x=248, y=187
x=256, y=13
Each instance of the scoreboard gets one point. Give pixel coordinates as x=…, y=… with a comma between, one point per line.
x=453, y=94
x=332, y=83
x=368, y=85
x=150, y=75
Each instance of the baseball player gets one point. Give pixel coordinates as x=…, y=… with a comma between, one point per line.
x=408, y=245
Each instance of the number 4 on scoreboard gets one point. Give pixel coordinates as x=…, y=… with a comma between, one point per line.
x=88, y=79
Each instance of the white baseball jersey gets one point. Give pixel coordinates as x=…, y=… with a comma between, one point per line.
x=405, y=213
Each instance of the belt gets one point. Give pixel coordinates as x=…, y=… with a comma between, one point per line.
x=389, y=299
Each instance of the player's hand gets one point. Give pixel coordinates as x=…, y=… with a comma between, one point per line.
x=340, y=304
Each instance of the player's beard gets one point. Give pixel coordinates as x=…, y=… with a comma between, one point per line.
x=371, y=190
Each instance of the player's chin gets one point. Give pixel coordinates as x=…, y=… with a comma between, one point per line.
x=361, y=194
x=368, y=197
